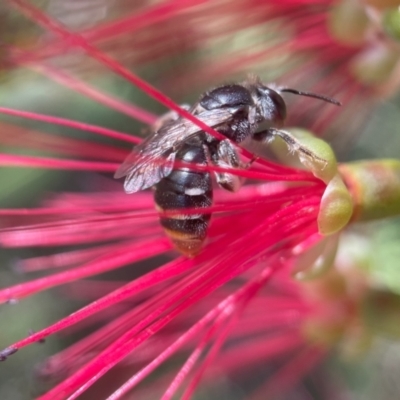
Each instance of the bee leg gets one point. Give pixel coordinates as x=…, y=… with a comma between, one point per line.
x=227, y=157
x=251, y=162
x=294, y=145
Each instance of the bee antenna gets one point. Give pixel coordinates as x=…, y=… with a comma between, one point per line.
x=310, y=94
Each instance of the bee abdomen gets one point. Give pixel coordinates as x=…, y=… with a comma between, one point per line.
x=185, y=189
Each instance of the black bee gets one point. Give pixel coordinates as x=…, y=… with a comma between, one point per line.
x=235, y=111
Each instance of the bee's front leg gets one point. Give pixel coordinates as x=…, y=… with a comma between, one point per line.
x=294, y=144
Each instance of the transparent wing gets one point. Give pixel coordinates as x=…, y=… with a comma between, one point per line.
x=153, y=159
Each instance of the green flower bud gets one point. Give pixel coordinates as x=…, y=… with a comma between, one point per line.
x=317, y=260
x=311, y=153
x=348, y=22
x=391, y=23
x=336, y=207
x=374, y=187
x=375, y=65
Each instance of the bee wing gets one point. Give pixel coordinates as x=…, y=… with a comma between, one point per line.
x=147, y=171
x=153, y=159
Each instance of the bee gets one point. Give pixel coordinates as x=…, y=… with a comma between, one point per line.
x=234, y=110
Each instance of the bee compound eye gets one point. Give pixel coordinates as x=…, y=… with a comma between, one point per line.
x=273, y=106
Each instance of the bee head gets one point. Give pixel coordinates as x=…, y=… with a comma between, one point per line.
x=270, y=106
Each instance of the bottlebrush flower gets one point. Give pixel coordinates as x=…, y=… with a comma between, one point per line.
x=239, y=289
x=269, y=220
